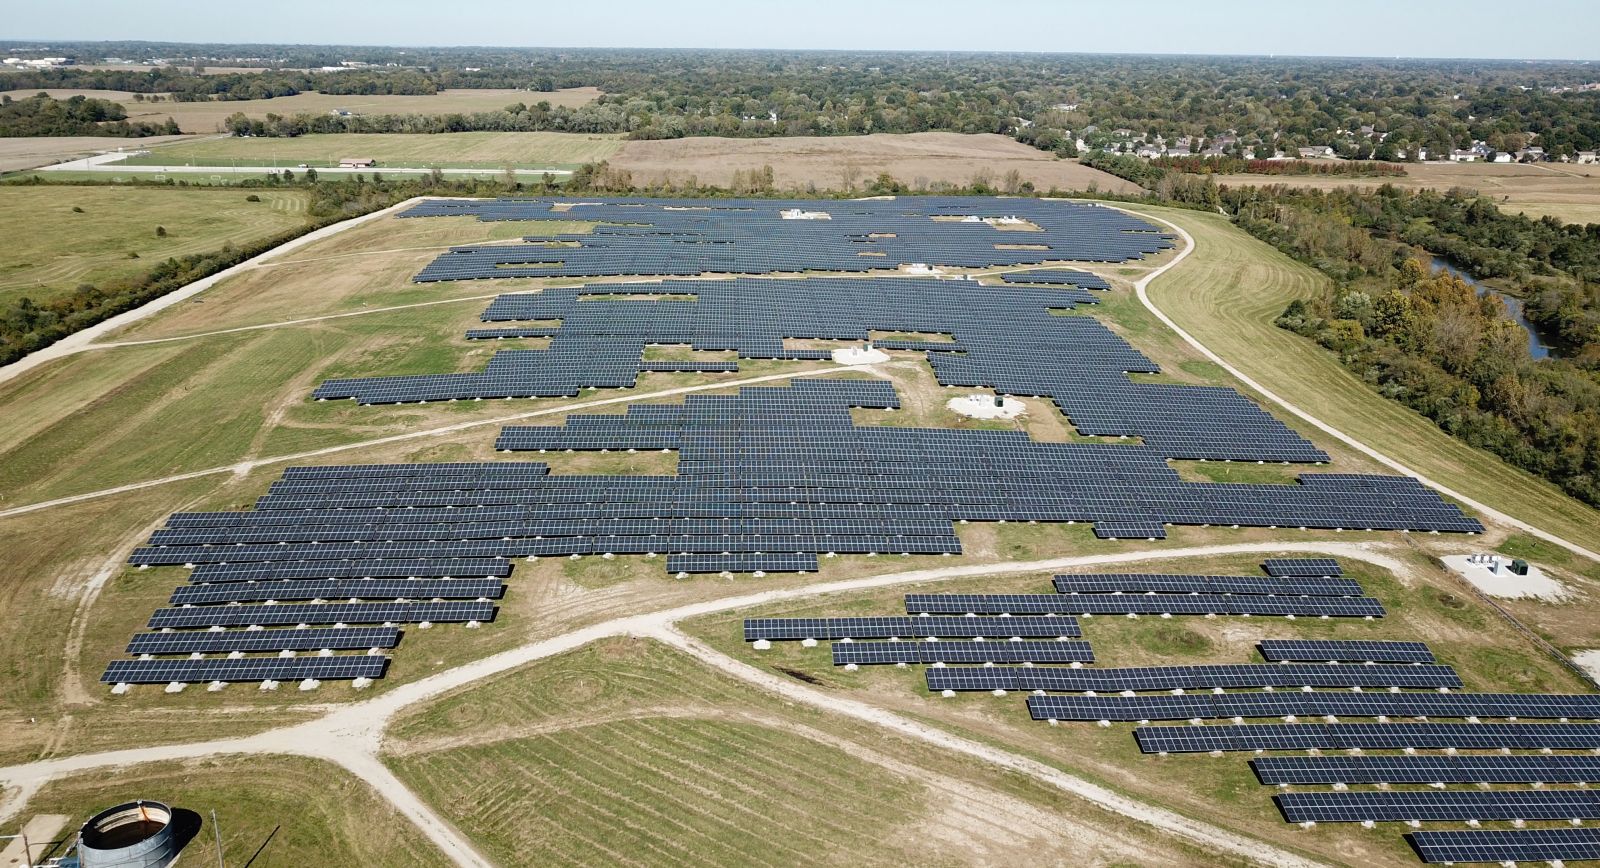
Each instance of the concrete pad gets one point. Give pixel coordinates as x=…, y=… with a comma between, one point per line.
x=982, y=407
x=1506, y=584
x=859, y=356
x=43, y=830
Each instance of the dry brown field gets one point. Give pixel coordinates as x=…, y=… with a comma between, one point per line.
x=1567, y=192
x=923, y=160
x=207, y=117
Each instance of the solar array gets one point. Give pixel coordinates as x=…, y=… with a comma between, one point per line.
x=1304, y=650
x=427, y=589
x=338, y=667
x=1368, y=736
x=260, y=641
x=1427, y=769
x=692, y=237
x=1371, y=679
x=1057, y=276
x=1302, y=567
x=1161, y=583
x=1246, y=675
x=1149, y=604
x=1314, y=704
x=1509, y=845
x=773, y=629
x=1004, y=339
x=1438, y=805
x=921, y=653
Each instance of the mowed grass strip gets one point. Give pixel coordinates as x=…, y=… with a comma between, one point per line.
x=668, y=791
x=488, y=150
x=52, y=249
x=270, y=810
x=1229, y=292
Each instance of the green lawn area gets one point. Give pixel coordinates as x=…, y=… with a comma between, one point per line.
x=1227, y=295
x=445, y=150
x=270, y=811
x=50, y=248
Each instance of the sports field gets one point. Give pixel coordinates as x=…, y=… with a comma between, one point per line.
x=51, y=248
x=446, y=150
x=209, y=116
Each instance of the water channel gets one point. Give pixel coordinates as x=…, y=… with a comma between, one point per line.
x=1538, y=346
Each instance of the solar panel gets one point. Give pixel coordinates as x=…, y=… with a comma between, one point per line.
x=1150, y=604
x=1315, y=704
x=1302, y=567
x=1510, y=845
x=1438, y=805
x=871, y=653
x=1426, y=769
x=336, y=668
x=1302, y=650
x=883, y=628
x=255, y=641
x=1157, y=583
x=1367, y=736
x=1190, y=677
x=321, y=613
x=370, y=589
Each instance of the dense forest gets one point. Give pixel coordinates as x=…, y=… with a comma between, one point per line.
x=76, y=116
x=1362, y=108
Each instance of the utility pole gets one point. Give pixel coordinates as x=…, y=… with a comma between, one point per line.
x=217, y=832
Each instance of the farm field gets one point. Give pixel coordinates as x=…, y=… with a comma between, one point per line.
x=446, y=150
x=1567, y=192
x=51, y=249
x=921, y=160
x=208, y=117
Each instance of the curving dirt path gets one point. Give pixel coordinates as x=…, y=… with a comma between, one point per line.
x=1140, y=286
x=351, y=736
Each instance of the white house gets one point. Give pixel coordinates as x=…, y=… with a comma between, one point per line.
x=1501, y=157
x=1316, y=153
x=1587, y=157
x=1464, y=156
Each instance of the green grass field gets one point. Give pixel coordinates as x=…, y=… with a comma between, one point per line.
x=1227, y=295
x=50, y=249
x=627, y=752
x=445, y=150
x=270, y=811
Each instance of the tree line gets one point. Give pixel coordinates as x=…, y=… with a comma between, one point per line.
x=1365, y=109
x=40, y=115
x=1428, y=339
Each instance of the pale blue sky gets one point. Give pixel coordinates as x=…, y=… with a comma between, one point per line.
x=1564, y=29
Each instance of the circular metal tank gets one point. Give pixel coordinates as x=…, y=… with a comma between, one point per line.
x=131, y=835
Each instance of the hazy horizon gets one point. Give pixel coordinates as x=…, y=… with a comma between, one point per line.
x=1464, y=30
